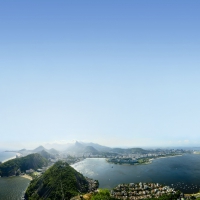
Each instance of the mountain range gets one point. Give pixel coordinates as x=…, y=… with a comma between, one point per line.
x=81, y=149
x=95, y=149
x=47, y=153
x=18, y=165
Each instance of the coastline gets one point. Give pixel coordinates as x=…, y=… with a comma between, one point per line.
x=27, y=177
x=151, y=159
x=145, y=163
x=17, y=154
x=168, y=156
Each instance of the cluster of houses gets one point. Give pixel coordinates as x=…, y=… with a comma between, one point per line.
x=140, y=191
x=141, y=157
x=93, y=184
x=42, y=170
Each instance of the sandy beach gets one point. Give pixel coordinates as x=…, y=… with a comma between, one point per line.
x=27, y=176
x=17, y=154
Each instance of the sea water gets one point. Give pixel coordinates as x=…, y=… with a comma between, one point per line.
x=11, y=188
x=6, y=155
x=180, y=172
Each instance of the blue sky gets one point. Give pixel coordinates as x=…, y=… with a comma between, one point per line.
x=118, y=73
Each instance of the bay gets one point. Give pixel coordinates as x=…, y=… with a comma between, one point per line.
x=181, y=171
x=13, y=188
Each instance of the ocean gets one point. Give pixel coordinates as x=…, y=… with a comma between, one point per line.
x=6, y=155
x=11, y=188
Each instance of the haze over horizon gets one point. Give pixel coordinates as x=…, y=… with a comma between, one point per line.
x=110, y=72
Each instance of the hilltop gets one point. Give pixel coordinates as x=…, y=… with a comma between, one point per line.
x=60, y=181
x=18, y=165
x=38, y=149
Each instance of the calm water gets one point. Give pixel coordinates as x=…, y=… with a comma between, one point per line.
x=13, y=188
x=181, y=171
x=6, y=155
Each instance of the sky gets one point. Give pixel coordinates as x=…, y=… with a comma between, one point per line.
x=117, y=73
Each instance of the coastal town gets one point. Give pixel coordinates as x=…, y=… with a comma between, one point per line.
x=142, y=191
x=133, y=159
x=144, y=158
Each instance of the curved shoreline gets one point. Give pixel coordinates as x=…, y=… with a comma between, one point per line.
x=144, y=163
x=17, y=154
x=27, y=177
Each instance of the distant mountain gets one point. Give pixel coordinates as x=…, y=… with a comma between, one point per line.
x=22, y=150
x=90, y=150
x=75, y=148
x=25, y=152
x=98, y=147
x=80, y=149
x=60, y=181
x=17, y=165
x=40, y=148
x=63, y=147
x=57, y=146
x=53, y=151
x=45, y=154
x=78, y=145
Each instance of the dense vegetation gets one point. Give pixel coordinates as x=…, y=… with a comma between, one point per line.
x=59, y=182
x=102, y=195
x=143, y=160
x=18, y=165
x=168, y=197
x=105, y=195
x=45, y=154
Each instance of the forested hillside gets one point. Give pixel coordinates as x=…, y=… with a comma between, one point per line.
x=18, y=165
x=61, y=181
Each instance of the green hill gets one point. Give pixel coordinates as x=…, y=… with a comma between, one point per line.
x=59, y=182
x=17, y=165
x=45, y=154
